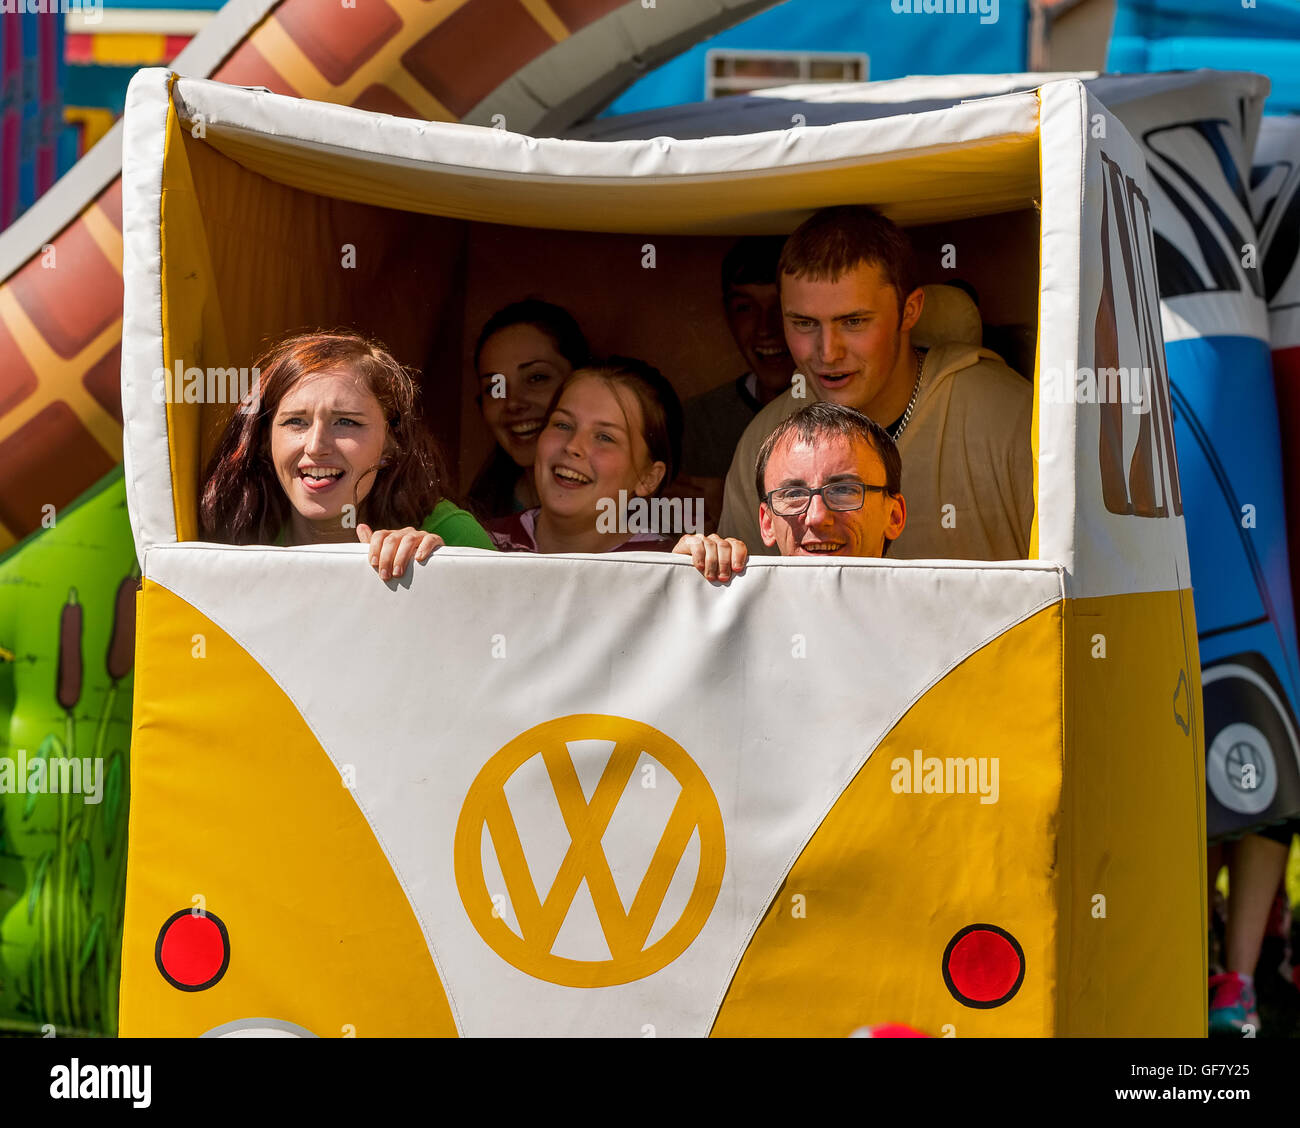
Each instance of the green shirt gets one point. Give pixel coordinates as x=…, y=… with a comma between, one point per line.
x=456, y=527
x=449, y=521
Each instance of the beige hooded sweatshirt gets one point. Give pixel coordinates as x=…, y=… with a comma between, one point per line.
x=966, y=447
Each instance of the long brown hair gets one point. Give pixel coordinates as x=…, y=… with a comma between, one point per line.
x=243, y=501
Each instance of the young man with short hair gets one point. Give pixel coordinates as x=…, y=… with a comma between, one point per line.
x=959, y=415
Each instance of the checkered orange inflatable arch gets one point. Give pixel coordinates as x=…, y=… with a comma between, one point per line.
x=533, y=66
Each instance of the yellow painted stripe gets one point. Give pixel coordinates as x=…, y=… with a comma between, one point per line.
x=425, y=15
x=107, y=237
x=179, y=439
x=419, y=17
x=94, y=123
x=106, y=429
x=403, y=84
x=545, y=15
x=1033, y=416
x=283, y=53
x=125, y=50
x=58, y=379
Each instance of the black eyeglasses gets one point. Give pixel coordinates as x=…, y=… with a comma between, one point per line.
x=791, y=501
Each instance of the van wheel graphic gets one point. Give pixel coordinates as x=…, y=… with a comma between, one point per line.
x=1248, y=730
x=258, y=1028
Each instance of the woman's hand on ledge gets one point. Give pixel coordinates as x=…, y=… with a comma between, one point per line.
x=391, y=550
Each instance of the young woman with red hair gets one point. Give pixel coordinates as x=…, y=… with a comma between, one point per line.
x=331, y=450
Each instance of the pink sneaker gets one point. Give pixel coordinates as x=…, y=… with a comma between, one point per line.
x=1232, y=1005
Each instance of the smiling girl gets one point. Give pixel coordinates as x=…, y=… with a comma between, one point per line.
x=332, y=452
x=525, y=352
x=613, y=434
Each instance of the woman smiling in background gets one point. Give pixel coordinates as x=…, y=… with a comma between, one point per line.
x=524, y=353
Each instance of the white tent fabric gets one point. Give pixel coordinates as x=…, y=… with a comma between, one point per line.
x=830, y=102
x=493, y=176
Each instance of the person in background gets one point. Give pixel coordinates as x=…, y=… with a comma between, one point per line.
x=1256, y=866
x=524, y=353
x=330, y=450
x=612, y=441
x=716, y=419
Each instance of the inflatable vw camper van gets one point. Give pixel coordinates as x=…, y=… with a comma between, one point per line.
x=597, y=795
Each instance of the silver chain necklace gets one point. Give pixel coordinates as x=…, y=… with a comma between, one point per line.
x=916, y=390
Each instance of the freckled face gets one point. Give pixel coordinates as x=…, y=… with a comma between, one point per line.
x=327, y=437
x=519, y=371
x=593, y=446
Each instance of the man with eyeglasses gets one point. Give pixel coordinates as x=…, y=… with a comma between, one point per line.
x=829, y=482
